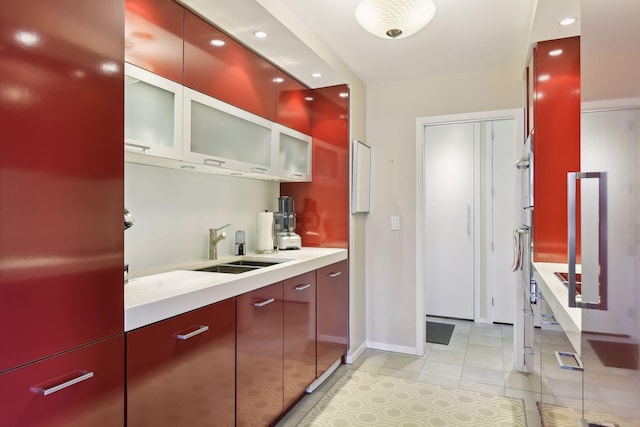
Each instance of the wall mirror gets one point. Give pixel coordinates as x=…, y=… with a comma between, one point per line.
x=361, y=177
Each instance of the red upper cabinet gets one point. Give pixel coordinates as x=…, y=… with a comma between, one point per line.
x=293, y=104
x=84, y=387
x=229, y=72
x=556, y=143
x=62, y=169
x=153, y=36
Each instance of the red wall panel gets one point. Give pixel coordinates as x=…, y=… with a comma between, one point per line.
x=322, y=205
x=556, y=144
x=153, y=36
x=61, y=176
x=293, y=104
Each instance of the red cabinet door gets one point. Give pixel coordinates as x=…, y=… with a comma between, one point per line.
x=230, y=73
x=62, y=172
x=83, y=387
x=181, y=371
x=299, y=335
x=293, y=103
x=153, y=36
x=259, y=397
x=333, y=313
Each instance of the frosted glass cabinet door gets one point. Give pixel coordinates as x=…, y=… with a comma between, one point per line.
x=294, y=154
x=153, y=114
x=223, y=136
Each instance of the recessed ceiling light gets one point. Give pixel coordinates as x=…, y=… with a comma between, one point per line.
x=217, y=42
x=308, y=98
x=278, y=80
x=544, y=77
x=260, y=34
x=344, y=95
x=316, y=75
x=567, y=21
x=555, y=52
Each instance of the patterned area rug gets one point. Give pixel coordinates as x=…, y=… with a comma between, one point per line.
x=368, y=399
x=558, y=416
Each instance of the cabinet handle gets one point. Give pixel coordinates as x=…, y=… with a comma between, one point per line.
x=45, y=391
x=214, y=162
x=336, y=274
x=559, y=355
x=468, y=220
x=263, y=302
x=297, y=175
x=302, y=287
x=144, y=148
x=553, y=320
x=258, y=170
x=201, y=329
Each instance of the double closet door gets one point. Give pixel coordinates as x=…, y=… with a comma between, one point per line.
x=470, y=213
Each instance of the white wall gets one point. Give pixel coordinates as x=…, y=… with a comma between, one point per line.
x=174, y=210
x=392, y=110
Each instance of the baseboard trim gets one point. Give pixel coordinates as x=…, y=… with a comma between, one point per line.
x=391, y=347
x=352, y=356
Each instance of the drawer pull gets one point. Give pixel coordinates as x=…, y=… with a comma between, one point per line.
x=201, y=329
x=258, y=170
x=336, y=274
x=302, y=287
x=263, y=302
x=560, y=354
x=553, y=320
x=144, y=148
x=297, y=175
x=214, y=162
x=78, y=377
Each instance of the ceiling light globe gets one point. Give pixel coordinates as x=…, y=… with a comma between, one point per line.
x=394, y=19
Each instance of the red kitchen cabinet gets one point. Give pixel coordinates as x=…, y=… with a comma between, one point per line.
x=62, y=169
x=181, y=371
x=83, y=387
x=231, y=72
x=333, y=313
x=299, y=335
x=294, y=103
x=153, y=36
x=259, y=346
x=556, y=144
x=322, y=205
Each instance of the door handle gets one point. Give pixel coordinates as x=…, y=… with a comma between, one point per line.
x=302, y=287
x=264, y=302
x=468, y=220
x=46, y=390
x=201, y=329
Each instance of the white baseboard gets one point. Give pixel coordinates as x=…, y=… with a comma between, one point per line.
x=391, y=347
x=352, y=356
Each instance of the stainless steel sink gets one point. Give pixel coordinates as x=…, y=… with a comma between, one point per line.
x=227, y=268
x=250, y=263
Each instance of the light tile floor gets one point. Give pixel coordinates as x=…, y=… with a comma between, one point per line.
x=479, y=357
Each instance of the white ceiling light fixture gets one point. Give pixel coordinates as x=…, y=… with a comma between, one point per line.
x=567, y=21
x=394, y=19
x=260, y=34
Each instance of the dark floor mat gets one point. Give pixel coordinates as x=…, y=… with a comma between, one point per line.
x=616, y=354
x=439, y=333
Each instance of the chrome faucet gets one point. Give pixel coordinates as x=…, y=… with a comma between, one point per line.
x=214, y=239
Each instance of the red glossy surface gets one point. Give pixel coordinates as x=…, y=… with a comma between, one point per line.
x=95, y=402
x=259, y=344
x=333, y=314
x=293, y=104
x=153, y=36
x=322, y=205
x=172, y=382
x=61, y=176
x=299, y=335
x=231, y=73
x=556, y=144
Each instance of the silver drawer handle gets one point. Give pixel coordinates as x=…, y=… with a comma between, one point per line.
x=201, y=329
x=214, y=162
x=302, y=287
x=297, y=175
x=336, y=274
x=144, y=148
x=258, y=170
x=83, y=376
x=560, y=354
x=263, y=302
x=553, y=320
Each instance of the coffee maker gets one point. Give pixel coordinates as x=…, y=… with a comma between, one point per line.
x=285, y=225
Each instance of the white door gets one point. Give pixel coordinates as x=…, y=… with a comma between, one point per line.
x=449, y=220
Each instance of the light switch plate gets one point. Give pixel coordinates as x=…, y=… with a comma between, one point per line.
x=395, y=223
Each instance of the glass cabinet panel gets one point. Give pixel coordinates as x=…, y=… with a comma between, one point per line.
x=294, y=155
x=153, y=114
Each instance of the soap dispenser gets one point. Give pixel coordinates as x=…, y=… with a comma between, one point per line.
x=240, y=243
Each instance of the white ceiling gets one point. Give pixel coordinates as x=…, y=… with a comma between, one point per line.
x=464, y=35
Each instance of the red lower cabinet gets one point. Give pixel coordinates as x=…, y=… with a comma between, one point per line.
x=333, y=313
x=181, y=371
x=79, y=388
x=299, y=335
x=259, y=397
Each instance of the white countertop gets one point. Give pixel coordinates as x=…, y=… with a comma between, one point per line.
x=168, y=291
x=556, y=295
